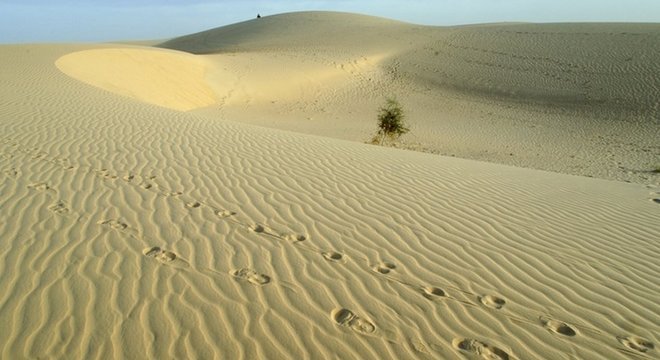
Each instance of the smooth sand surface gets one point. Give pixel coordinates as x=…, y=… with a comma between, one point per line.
x=132, y=229
x=173, y=80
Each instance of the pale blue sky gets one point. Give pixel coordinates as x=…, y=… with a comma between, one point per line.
x=106, y=20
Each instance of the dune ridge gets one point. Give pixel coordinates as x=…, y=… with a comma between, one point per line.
x=133, y=230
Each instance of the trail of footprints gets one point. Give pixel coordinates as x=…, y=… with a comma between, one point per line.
x=342, y=317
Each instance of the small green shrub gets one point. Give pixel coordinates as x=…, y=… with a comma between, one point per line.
x=391, y=123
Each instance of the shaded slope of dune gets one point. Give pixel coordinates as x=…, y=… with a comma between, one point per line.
x=604, y=65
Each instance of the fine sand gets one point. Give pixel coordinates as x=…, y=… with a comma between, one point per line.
x=144, y=215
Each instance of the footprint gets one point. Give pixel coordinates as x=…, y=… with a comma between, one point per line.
x=114, y=224
x=294, y=237
x=193, y=204
x=657, y=201
x=335, y=257
x=257, y=228
x=224, y=213
x=39, y=186
x=11, y=172
x=477, y=347
x=251, y=276
x=103, y=173
x=59, y=208
x=172, y=193
x=636, y=343
x=433, y=293
x=345, y=317
x=159, y=254
x=39, y=155
x=381, y=270
x=128, y=178
x=492, y=301
x=384, y=268
x=557, y=326
x=64, y=163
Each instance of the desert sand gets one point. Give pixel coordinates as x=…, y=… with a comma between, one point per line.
x=213, y=197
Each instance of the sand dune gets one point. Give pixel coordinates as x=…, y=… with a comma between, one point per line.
x=544, y=63
x=539, y=96
x=303, y=31
x=132, y=229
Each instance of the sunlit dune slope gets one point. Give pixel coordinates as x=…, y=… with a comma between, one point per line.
x=170, y=79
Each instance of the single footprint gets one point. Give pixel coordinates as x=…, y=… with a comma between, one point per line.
x=335, y=257
x=159, y=254
x=433, y=293
x=11, y=172
x=557, y=326
x=257, y=228
x=172, y=193
x=345, y=317
x=39, y=186
x=636, y=343
x=114, y=224
x=294, y=237
x=193, y=204
x=486, y=351
x=224, y=213
x=492, y=301
x=103, y=173
x=657, y=201
x=384, y=268
x=64, y=163
x=251, y=276
x=59, y=208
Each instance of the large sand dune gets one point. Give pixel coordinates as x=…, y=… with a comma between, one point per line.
x=541, y=96
x=132, y=229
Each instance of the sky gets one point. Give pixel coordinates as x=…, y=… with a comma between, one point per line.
x=29, y=21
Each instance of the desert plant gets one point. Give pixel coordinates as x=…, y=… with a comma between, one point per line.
x=390, y=122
